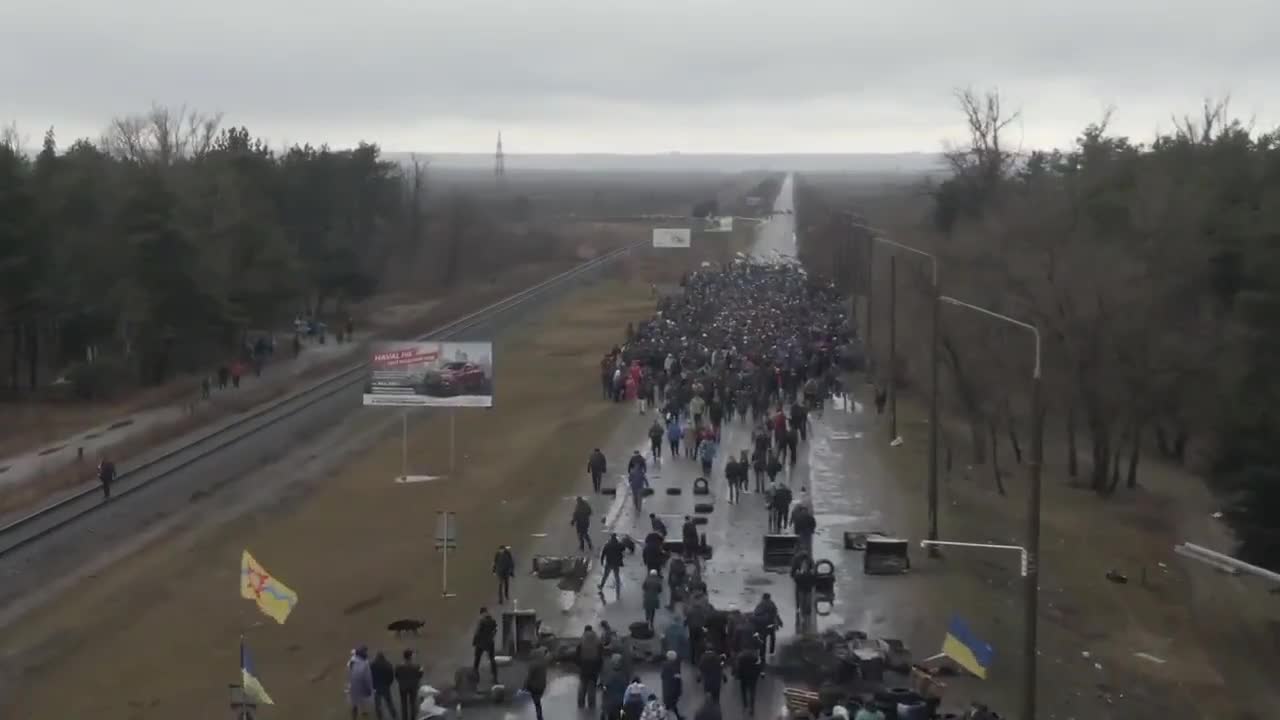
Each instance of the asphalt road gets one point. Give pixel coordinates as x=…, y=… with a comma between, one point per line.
x=32, y=573
x=845, y=482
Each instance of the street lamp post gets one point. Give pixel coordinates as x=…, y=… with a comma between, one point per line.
x=934, y=430
x=893, y=348
x=1031, y=597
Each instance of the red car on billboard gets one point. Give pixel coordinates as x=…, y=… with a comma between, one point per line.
x=457, y=377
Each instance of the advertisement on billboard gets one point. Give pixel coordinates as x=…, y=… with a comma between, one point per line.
x=430, y=374
x=671, y=237
x=720, y=224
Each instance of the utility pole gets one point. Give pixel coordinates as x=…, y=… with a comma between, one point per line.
x=1031, y=611
x=934, y=429
x=871, y=315
x=893, y=348
x=499, y=162
x=1031, y=594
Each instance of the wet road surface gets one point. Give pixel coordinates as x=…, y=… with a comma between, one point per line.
x=841, y=476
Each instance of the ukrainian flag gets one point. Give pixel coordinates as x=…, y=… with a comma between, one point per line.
x=249, y=680
x=273, y=597
x=970, y=653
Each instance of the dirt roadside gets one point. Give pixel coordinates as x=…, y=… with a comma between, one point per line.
x=1171, y=642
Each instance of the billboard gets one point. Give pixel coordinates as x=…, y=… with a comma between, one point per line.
x=430, y=374
x=671, y=237
x=720, y=224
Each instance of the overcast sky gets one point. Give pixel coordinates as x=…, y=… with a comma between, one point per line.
x=635, y=75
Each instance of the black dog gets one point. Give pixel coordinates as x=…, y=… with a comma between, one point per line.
x=401, y=627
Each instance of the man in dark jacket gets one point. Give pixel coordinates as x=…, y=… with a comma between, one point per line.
x=767, y=621
x=590, y=658
x=711, y=671
x=504, y=567
x=106, y=476
x=597, y=466
x=689, y=537
x=581, y=523
x=535, y=680
x=805, y=526
x=747, y=668
x=615, y=688
x=383, y=674
x=483, y=640
x=672, y=683
x=782, y=506
x=731, y=478
x=656, y=433
x=611, y=558
x=637, y=461
x=408, y=679
x=658, y=526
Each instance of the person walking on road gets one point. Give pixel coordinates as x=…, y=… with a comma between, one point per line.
x=590, y=659
x=359, y=683
x=615, y=688
x=805, y=526
x=707, y=453
x=408, y=680
x=689, y=436
x=773, y=466
x=793, y=443
x=767, y=621
x=652, y=589
x=656, y=434
x=383, y=674
x=657, y=525
x=597, y=466
x=674, y=433
x=689, y=538
x=106, y=476
x=535, y=679
x=731, y=479
x=581, y=523
x=637, y=461
x=672, y=684
x=611, y=558
x=747, y=669
x=483, y=642
x=638, y=481
x=711, y=672
x=504, y=568
x=782, y=506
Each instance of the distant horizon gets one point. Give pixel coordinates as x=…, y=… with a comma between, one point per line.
x=910, y=162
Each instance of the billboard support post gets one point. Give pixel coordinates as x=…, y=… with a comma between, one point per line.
x=446, y=540
x=452, y=433
x=404, y=444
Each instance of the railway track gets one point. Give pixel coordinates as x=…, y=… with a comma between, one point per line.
x=56, y=516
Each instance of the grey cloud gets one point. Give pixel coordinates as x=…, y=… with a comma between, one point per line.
x=340, y=70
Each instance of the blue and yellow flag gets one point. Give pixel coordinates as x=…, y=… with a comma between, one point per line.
x=249, y=679
x=273, y=597
x=970, y=653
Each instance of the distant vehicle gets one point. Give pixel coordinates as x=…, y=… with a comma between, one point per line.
x=455, y=378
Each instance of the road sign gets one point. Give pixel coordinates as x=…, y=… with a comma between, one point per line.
x=446, y=531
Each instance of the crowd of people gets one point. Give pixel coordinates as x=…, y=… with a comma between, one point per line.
x=748, y=343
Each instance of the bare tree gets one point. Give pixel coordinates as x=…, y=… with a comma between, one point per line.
x=162, y=135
